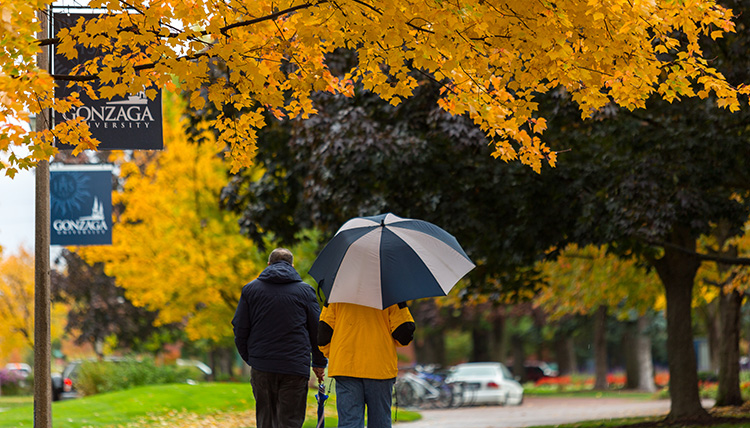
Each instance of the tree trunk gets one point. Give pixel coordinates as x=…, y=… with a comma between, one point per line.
x=710, y=312
x=645, y=359
x=572, y=357
x=227, y=360
x=480, y=341
x=600, y=348
x=519, y=357
x=497, y=339
x=566, y=354
x=630, y=349
x=677, y=270
x=99, y=347
x=429, y=343
x=728, y=393
x=221, y=359
x=431, y=348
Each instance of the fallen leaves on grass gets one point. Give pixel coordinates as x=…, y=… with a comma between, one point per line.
x=192, y=420
x=217, y=420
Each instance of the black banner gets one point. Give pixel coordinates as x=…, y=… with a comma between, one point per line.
x=121, y=123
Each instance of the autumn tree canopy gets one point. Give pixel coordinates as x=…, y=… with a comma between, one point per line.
x=491, y=57
x=581, y=280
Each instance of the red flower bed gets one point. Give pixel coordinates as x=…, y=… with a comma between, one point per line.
x=613, y=379
x=559, y=380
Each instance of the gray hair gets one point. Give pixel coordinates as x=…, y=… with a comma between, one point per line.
x=281, y=255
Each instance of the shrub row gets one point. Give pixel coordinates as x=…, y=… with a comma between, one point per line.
x=12, y=383
x=107, y=376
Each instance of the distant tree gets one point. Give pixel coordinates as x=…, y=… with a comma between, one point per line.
x=17, y=300
x=99, y=311
x=17, y=303
x=721, y=290
x=591, y=281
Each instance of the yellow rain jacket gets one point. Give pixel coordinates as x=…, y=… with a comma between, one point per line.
x=360, y=341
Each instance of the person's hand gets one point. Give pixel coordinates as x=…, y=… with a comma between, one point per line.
x=319, y=372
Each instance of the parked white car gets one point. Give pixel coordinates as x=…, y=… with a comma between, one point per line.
x=22, y=370
x=487, y=383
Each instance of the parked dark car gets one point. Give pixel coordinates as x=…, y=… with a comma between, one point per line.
x=62, y=384
x=535, y=370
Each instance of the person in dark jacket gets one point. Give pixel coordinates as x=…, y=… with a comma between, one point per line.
x=275, y=331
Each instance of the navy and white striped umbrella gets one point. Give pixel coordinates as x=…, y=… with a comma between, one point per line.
x=382, y=260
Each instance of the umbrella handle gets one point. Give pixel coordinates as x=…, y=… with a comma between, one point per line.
x=321, y=396
x=321, y=296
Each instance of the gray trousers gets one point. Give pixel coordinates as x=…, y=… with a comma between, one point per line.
x=280, y=399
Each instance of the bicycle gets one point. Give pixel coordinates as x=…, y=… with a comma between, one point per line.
x=421, y=389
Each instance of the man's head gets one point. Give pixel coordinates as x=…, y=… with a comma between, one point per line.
x=281, y=255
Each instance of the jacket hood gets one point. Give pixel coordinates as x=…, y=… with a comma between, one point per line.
x=280, y=273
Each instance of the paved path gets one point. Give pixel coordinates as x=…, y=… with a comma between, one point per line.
x=540, y=411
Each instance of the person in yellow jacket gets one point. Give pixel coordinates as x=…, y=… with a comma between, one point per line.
x=360, y=343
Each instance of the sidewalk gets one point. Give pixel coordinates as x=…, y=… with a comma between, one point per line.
x=541, y=411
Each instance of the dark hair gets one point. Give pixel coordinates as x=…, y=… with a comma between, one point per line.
x=281, y=255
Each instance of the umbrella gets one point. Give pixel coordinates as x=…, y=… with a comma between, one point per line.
x=321, y=397
x=382, y=260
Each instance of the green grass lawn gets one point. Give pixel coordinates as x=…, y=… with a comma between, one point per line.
x=11, y=402
x=588, y=393
x=144, y=406
x=125, y=406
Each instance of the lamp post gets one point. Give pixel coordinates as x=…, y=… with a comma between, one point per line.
x=42, y=337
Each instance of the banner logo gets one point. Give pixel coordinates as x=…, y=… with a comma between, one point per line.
x=132, y=113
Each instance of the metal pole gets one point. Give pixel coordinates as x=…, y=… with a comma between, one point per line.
x=42, y=337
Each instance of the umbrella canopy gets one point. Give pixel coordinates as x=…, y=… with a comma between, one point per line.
x=382, y=260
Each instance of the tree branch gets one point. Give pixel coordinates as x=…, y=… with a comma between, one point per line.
x=272, y=16
x=90, y=77
x=369, y=6
x=47, y=42
x=222, y=30
x=740, y=261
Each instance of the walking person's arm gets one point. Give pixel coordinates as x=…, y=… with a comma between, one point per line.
x=319, y=361
x=402, y=324
x=241, y=326
x=325, y=329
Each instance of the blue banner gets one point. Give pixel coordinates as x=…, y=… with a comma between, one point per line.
x=81, y=205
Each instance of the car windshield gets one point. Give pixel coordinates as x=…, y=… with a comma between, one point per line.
x=472, y=371
x=70, y=369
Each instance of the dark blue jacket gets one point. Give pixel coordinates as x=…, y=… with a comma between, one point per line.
x=276, y=323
